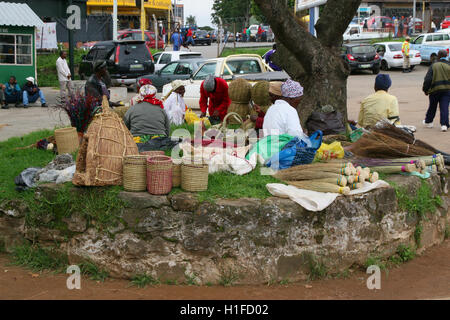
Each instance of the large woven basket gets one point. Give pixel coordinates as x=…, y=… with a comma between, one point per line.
x=67, y=140
x=243, y=110
x=135, y=173
x=194, y=176
x=159, y=175
x=260, y=93
x=176, y=173
x=240, y=91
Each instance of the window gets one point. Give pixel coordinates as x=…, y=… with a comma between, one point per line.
x=419, y=40
x=205, y=71
x=16, y=49
x=165, y=58
x=91, y=55
x=170, y=68
x=243, y=67
x=429, y=38
x=183, y=68
x=156, y=57
x=354, y=31
x=363, y=49
x=438, y=37
x=395, y=47
x=446, y=37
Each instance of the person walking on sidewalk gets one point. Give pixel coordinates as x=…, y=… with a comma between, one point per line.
x=437, y=86
x=64, y=76
x=31, y=93
x=405, y=51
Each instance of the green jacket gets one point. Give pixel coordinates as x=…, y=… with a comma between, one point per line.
x=437, y=78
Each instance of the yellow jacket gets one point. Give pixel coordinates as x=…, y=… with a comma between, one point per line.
x=405, y=48
x=378, y=106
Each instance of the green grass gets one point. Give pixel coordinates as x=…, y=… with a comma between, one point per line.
x=90, y=269
x=39, y=259
x=317, y=269
x=15, y=161
x=46, y=68
x=375, y=261
x=259, y=51
x=421, y=204
x=418, y=234
x=191, y=280
x=228, y=277
x=388, y=39
x=143, y=280
x=403, y=254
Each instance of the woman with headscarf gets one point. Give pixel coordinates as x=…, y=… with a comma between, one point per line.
x=138, y=98
x=174, y=104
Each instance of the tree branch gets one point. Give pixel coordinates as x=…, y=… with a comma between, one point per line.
x=334, y=20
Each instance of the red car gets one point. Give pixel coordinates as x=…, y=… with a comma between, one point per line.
x=385, y=22
x=446, y=23
x=136, y=34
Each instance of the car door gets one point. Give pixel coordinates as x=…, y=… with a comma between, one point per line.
x=417, y=44
x=165, y=75
x=163, y=60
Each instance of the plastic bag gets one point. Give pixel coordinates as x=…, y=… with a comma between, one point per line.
x=330, y=151
x=191, y=117
x=26, y=179
x=270, y=145
x=297, y=152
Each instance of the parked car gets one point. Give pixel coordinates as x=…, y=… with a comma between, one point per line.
x=228, y=68
x=178, y=70
x=355, y=32
x=164, y=57
x=127, y=60
x=361, y=57
x=391, y=55
x=438, y=38
x=446, y=23
x=270, y=36
x=429, y=45
x=202, y=37
x=135, y=34
x=383, y=20
x=88, y=45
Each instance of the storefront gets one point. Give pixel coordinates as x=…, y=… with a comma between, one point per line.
x=18, y=42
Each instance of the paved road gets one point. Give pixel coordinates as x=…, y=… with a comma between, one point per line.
x=407, y=88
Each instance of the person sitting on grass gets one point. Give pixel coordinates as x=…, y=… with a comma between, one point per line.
x=10, y=93
x=31, y=93
x=380, y=105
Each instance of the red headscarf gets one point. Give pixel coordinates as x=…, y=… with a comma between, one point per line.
x=147, y=93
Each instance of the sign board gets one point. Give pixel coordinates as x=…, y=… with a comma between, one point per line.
x=308, y=4
x=46, y=36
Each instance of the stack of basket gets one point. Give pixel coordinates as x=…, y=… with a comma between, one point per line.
x=159, y=175
x=194, y=175
x=240, y=95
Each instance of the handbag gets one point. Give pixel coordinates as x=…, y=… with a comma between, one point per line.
x=327, y=122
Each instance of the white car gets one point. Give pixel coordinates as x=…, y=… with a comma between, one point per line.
x=228, y=68
x=165, y=57
x=392, y=57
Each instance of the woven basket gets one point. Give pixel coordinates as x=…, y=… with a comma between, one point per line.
x=135, y=173
x=150, y=154
x=176, y=174
x=243, y=110
x=260, y=93
x=159, y=175
x=194, y=177
x=67, y=140
x=240, y=91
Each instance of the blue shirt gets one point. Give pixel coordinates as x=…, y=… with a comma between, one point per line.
x=176, y=39
x=11, y=90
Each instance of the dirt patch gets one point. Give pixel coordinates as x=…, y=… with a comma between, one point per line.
x=426, y=277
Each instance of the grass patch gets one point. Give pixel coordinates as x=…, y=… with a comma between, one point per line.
x=403, y=254
x=421, y=204
x=46, y=67
x=418, y=234
x=191, y=280
x=228, y=277
x=284, y=282
x=92, y=271
x=15, y=161
x=39, y=259
x=447, y=232
x=375, y=261
x=317, y=269
x=143, y=280
x=387, y=39
x=259, y=51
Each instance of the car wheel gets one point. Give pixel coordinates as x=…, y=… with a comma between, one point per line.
x=376, y=70
x=384, y=65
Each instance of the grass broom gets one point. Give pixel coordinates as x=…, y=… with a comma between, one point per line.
x=306, y=175
x=341, y=181
x=373, y=177
x=319, y=187
x=396, y=169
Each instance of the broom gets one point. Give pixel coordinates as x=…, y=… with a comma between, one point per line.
x=396, y=169
x=373, y=177
x=319, y=187
x=326, y=167
x=355, y=186
x=306, y=175
x=341, y=181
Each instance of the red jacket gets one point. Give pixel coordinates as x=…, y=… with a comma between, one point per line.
x=218, y=100
x=189, y=33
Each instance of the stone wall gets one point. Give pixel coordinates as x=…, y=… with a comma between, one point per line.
x=247, y=240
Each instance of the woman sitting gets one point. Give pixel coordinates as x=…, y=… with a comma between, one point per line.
x=174, y=104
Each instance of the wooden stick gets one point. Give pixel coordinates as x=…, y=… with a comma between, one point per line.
x=319, y=187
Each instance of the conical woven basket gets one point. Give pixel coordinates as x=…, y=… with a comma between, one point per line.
x=159, y=175
x=243, y=110
x=240, y=91
x=67, y=140
x=106, y=143
x=260, y=94
x=135, y=173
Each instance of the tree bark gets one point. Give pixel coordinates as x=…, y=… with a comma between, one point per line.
x=314, y=62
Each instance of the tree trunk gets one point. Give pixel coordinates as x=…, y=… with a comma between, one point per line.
x=314, y=62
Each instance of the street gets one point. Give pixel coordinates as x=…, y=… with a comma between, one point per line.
x=406, y=87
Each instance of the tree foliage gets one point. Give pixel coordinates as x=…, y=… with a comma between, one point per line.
x=232, y=11
x=191, y=20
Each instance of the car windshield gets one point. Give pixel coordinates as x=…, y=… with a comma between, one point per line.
x=201, y=33
x=205, y=71
x=242, y=67
x=395, y=47
x=363, y=49
x=131, y=52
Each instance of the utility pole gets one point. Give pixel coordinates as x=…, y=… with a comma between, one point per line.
x=115, y=20
x=414, y=17
x=423, y=16
x=71, y=49
x=143, y=20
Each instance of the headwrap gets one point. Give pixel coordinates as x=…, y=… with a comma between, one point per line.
x=147, y=93
x=291, y=89
x=144, y=81
x=210, y=83
x=383, y=82
x=275, y=88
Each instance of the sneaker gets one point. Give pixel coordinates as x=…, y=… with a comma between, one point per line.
x=18, y=105
x=428, y=125
x=444, y=128
x=25, y=106
x=44, y=105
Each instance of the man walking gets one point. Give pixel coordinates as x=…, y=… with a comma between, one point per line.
x=177, y=40
x=437, y=86
x=405, y=51
x=189, y=38
x=64, y=76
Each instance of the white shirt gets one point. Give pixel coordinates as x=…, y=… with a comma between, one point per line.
x=62, y=69
x=282, y=118
x=175, y=108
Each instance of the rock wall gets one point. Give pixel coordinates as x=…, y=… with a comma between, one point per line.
x=246, y=241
